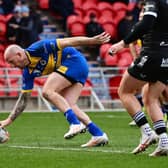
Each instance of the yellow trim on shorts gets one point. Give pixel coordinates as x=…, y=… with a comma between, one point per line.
x=26, y=91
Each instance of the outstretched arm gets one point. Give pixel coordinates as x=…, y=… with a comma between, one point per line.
x=18, y=109
x=82, y=40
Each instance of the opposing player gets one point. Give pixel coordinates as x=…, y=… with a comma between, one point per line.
x=67, y=70
x=152, y=68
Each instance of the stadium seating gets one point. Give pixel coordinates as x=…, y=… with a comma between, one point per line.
x=2, y=29
x=104, y=5
x=77, y=29
x=90, y=7
x=44, y=4
x=14, y=82
x=2, y=87
x=111, y=60
x=2, y=18
x=131, y=6
x=111, y=29
x=117, y=6
x=104, y=49
x=71, y=20
x=124, y=61
x=79, y=11
x=114, y=84
x=86, y=91
x=77, y=3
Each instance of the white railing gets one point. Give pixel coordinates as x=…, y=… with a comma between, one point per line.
x=100, y=98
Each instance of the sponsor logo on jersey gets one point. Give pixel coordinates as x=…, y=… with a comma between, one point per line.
x=163, y=43
x=164, y=62
x=142, y=61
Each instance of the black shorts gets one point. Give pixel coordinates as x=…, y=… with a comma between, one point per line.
x=151, y=66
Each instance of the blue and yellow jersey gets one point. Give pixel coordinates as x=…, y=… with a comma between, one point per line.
x=46, y=56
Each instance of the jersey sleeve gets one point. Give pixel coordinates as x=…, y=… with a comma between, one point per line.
x=27, y=81
x=151, y=8
x=142, y=27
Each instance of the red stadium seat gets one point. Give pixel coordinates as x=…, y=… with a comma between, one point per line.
x=125, y=61
x=105, y=19
x=120, y=15
x=79, y=12
x=111, y=29
x=94, y=11
x=8, y=17
x=110, y=60
x=2, y=61
x=131, y=6
x=2, y=87
x=40, y=81
x=14, y=87
x=44, y=4
x=104, y=5
x=117, y=6
x=2, y=18
x=2, y=48
x=77, y=29
x=71, y=20
x=89, y=5
x=114, y=83
x=93, y=1
x=127, y=56
x=104, y=49
x=108, y=13
x=14, y=82
x=77, y=3
x=86, y=91
x=2, y=28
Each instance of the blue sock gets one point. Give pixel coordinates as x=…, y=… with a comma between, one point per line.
x=94, y=129
x=71, y=117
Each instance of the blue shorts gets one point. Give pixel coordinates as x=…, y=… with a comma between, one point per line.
x=74, y=68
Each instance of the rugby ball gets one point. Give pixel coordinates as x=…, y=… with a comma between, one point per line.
x=4, y=135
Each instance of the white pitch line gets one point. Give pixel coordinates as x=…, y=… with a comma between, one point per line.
x=67, y=149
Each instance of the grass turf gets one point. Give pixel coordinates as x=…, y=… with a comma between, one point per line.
x=36, y=141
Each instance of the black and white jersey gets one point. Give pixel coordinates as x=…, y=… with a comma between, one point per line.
x=153, y=28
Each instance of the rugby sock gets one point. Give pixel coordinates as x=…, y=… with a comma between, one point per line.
x=159, y=127
x=71, y=117
x=94, y=129
x=140, y=118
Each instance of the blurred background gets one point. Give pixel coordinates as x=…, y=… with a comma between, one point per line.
x=24, y=22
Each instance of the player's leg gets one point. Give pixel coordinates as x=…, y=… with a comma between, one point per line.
x=71, y=94
x=165, y=104
x=51, y=91
x=126, y=91
x=153, y=107
x=138, y=95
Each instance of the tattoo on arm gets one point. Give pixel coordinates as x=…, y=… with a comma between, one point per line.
x=19, y=106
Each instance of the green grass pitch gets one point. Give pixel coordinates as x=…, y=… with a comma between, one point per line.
x=36, y=141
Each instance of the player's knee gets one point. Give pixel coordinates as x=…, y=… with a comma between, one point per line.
x=46, y=93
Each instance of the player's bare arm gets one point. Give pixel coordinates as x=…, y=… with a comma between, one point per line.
x=20, y=105
x=18, y=109
x=81, y=40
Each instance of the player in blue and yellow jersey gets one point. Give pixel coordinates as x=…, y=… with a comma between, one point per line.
x=67, y=72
